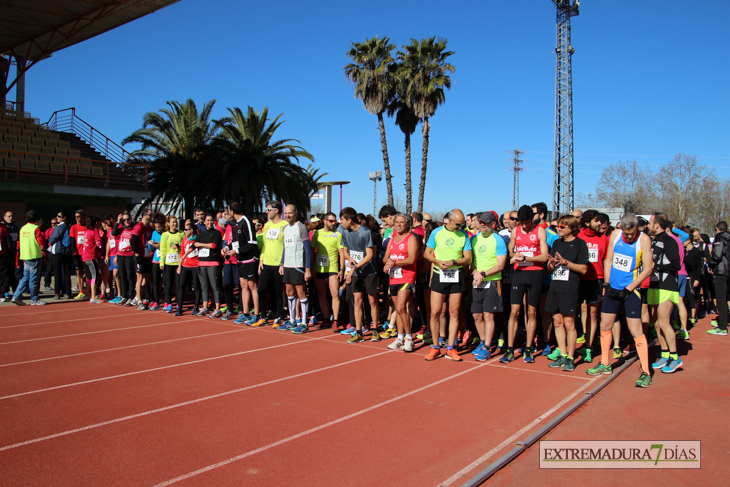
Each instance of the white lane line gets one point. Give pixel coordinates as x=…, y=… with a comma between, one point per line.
x=94, y=332
x=510, y=441
x=63, y=321
x=120, y=348
x=567, y=376
x=186, y=403
x=91, y=381
x=314, y=430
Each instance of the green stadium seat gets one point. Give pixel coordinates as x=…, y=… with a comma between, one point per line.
x=97, y=171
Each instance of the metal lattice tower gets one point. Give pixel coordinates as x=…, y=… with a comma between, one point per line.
x=563, y=175
x=516, y=178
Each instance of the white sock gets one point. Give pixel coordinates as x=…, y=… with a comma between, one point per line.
x=409, y=337
x=305, y=308
x=292, y=308
x=400, y=337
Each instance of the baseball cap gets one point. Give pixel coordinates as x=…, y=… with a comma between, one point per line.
x=487, y=217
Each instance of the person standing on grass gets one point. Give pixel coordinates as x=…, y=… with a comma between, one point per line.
x=31, y=255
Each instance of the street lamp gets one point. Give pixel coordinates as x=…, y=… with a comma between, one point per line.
x=375, y=177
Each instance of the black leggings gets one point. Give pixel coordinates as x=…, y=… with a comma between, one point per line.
x=169, y=273
x=210, y=276
x=62, y=266
x=156, y=281
x=187, y=276
x=127, y=275
x=270, y=278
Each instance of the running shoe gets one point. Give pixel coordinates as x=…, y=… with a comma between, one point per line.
x=154, y=307
x=18, y=302
x=714, y=323
x=408, y=345
x=427, y=340
x=558, y=363
x=568, y=366
x=121, y=302
x=581, y=339
x=263, y=322
x=286, y=326
x=644, y=380
x=91, y=301
x=336, y=328
x=312, y=320
x=323, y=325
x=225, y=316
x=389, y=333
x=375, y=336
x=600, y=369
x=146, y=302
x=683, y=335
x=203, y=313
x=142, y=307
x=693, y=321
x=629, y=349
x=507, y=357
x=348, y=331
x=617, y=353
x=483, y=355
x=111, y=301
x=396, y=345
x=479, y=348
x=527, y=356
x=453, y=355
x=48, y=288
x=302, y=328
x=717, y=331
x=215, y=314
x=554, y=354
x=660, y=363
x=500, y=343
x=241, y=320
x=475, y=342
x=356, y=338
x=465, y=337
x=672, y=366
x=365, y=328
x=169, y=309
x=433, y=354
x=546, y=350
x=80, y=296
x=443, y=343
x=588, y=356
x=178, y=312
x=37, y=302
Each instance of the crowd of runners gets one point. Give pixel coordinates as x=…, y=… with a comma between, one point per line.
x=510, y=286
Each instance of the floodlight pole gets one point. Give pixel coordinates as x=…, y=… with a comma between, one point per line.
x=375, y=177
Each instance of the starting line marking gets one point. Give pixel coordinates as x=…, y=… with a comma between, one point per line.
x=186, y=403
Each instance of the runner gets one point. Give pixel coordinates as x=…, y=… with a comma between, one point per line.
x=328, y=269
x=663, y=291
x=61, y=258
x=528, y=249
x=720, y=262
x=170, y=260
x=400, y=261
x=272, y=249
x=449, y=250
x=387, y=216
x=296, y=269
x=77, y=234
x=208, y=245
x=361, y=276
x=489, y=257
x=90, y=255
x=188, y=268
x=125, y=257
x=627, y=265
x=551, y=234
x=568, y=261
x=141, y=235
x=153, y=245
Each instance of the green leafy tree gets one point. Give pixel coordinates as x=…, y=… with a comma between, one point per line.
x=252, y=167
x=371, y=73
x=175, y=144
x=423, y=73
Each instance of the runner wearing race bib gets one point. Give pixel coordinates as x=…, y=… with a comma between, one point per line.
x=243, y=248
x=77, y=233
x=270, y=281
x=449, y=250
x=154, y=244
x=141, y=235
x=188, y=268
x=489, y=257
x=170, y=249
x=208, y=244
x=528, y=249
x=125, y=258
x=295, y=268
x=90, y=255
x=568, y=261
x=400, y=261
x=628, y=263
x=329, y=266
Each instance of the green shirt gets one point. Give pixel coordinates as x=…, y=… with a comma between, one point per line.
x=484, y=253
x=448, y=246
x=273, y=247
x=167, y=256
x=328, y=245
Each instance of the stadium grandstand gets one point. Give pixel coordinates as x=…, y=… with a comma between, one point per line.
x=63, y=163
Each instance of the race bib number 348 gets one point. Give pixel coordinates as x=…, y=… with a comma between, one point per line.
x=624, y=263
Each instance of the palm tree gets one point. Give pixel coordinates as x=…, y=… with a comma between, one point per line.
x=425, y=72
x=252, y=167
x=175, y=145
x=371, y=73
x=407, y=121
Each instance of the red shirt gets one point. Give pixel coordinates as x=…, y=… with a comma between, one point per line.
x=144, y=235
x=4, y=238
x=124, y=243
x=192, y=259
x=228, y=238
x=112, y=243
x=597, y=245
x=528, y=244
x=399, y=251
x=48, y=233
x=92, y=245
x=77, y=233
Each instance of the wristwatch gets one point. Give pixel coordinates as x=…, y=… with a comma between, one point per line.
x=453, y=262
x=484, y=275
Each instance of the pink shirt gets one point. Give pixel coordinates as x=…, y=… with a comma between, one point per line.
x=92, y=245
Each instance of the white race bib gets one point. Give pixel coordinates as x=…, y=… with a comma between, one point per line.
x=561, y=273
x=624, y=263
x=357, y=256
x=288, y=240
x=112, y=244
x=193, y=254
x=323, y=260
x=80, y=238
x=124, y=245
x=525, y=263
x=172, y=257
x=202, y=252
x=592, y=255
x=483, y=285
x=449, y=276
x=272, y=234
x=235, y=246
x=395, y=272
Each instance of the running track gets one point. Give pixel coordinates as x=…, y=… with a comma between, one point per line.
x=103, y=395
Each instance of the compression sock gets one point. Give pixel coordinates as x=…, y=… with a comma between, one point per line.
x=665, y=354
x=606, y=340
x=305, y=309
x=292, y=308
x=674, y=356
x=642, y=350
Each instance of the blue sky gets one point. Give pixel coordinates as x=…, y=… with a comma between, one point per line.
x=649, y=80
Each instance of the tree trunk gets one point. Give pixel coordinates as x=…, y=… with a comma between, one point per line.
x=189, y=209
x=409, y=191
x=386, y=160
x=424, y=164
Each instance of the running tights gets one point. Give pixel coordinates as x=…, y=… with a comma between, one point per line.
x=209, y=276
x=187, y=276
x=169, y=273
x=156, y=282
x=127, y=275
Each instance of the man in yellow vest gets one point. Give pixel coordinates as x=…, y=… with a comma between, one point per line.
x=31, y=242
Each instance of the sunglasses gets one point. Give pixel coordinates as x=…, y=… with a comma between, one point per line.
x=459, y=225
x=563, y=227
x=331, y=221
x=270, y=209
x=513, y=219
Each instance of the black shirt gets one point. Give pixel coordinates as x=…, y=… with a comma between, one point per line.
x=575, y=251
x=665, y=251
x=207, y=237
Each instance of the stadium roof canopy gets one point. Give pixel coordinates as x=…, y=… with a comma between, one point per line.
x=31, y=30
